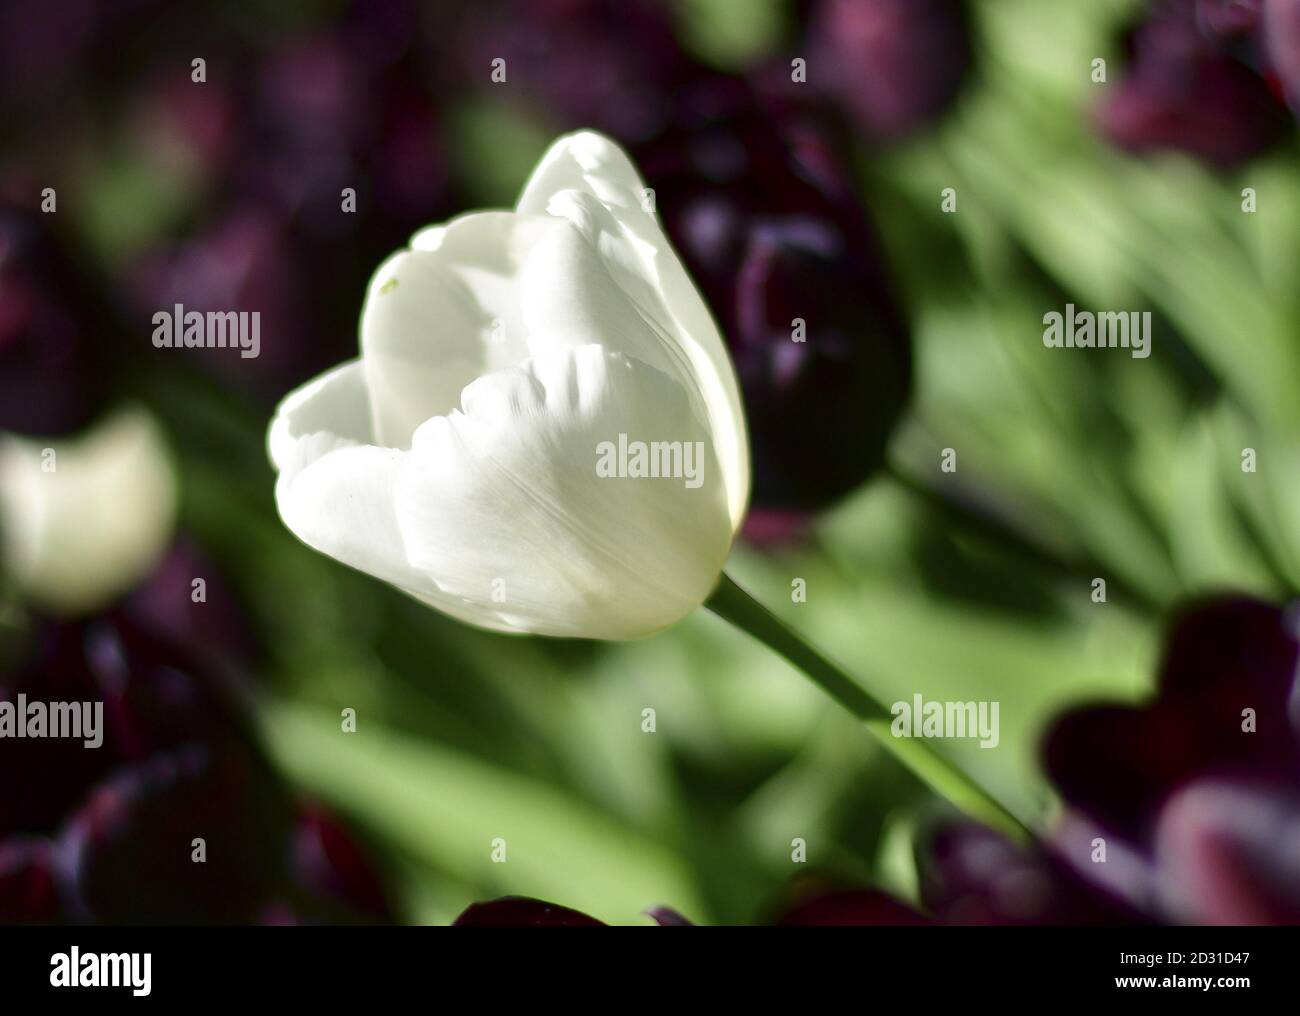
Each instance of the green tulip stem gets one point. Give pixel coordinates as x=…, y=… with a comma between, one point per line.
x=733, y=604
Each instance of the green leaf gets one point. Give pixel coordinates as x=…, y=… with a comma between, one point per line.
x=445, y=810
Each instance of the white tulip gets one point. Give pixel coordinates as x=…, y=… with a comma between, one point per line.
x=519, y=371
x=84, y=518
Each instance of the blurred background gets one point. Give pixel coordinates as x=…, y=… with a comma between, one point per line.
x=921, y=180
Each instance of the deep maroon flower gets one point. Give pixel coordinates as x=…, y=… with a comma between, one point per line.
x=1188, y=87
x=812, y=902
x=338, y=156
x=612, y=65
x=209, y=619
x=791, y=267
x=894, y=65
x=1229, y=18
x=1281, y=27
x=27, y=890
x=1194, y=796
x=175, y=816
x=817, y=903
x=523, y=912
x=1225, y=708
x=56, y=328
x=971, y=874
x=1229, y=853
x=1186, y=810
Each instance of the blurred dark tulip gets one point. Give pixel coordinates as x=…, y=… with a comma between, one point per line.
x=244, y=260
x=523, y=912
x=973, y=875
x=216, y=627
x=894, y=65
x=612, y=65
x=1228, y=853
x=809, y=905
x=1186, y=87
x=104, y=835
x=348, y=107
x=1282, y=37
x=767, y=226
x=27, y=891
x=1199, y=818
x=56, y=328
x=1228, y=18
x=826, y=906
x=1118, y=764
x=1196, y=793
x=40, y=47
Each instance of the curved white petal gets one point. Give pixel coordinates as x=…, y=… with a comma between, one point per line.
x=502, y=506
x=84, y=519
x=330, y=411
x=440, y=314
x=335, y=491
x=588, y=180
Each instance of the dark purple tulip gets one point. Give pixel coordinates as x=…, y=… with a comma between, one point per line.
x=41, y=48
x=329, y=863
x=1228, y=18
x=1174, y=812
x=107, y=834
x=1195, y=794
x=772, y=236
x=1118, y=764
x=973, y=875
x=1229, y=853
x=894, y=65
x=338, y=158
x=128, y=849
x=164, y=601
x=612, y=65
x=27, y=890
x=243, y=261
x=1186, y=89
x=56, y=328
x=816, y=904
x=523, y=912
x=1282, y=37
x=153, y=701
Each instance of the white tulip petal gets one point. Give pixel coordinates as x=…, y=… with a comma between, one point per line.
x=335, y=491
x=570, y=298
x=330, y=411
x=501, y=504
x=628, y=236
x=439, y=315
x=335, y=486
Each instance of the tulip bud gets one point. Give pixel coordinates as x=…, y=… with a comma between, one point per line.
x=543, y=433
x=791, y=267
